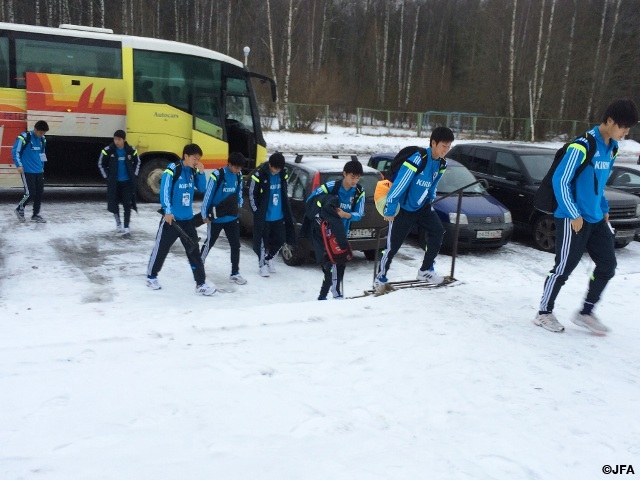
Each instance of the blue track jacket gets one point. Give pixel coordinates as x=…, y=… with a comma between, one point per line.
x=30, y=158
x=412, y=191
x=581, y=200
x=346, y=200
x=177, y=199
x=231, y=185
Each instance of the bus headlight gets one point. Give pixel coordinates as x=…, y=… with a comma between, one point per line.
x=507, y=217
x=463, y=218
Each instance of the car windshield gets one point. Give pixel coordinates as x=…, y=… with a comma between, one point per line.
x=368, y=181
x=457, y=177
x=537, y=164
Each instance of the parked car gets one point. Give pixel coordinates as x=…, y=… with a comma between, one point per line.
x=305, y=175
x=514, y=173
x=484, y=221
x=625, y=178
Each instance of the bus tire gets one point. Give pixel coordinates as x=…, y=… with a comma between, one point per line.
x=149, y=179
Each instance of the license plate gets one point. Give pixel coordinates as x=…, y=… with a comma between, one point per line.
x=625, y=233
x=489, y=234
x=361, y=233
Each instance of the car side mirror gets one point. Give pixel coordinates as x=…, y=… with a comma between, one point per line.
x=515, y=177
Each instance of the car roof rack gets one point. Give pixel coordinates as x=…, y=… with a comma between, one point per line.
x=299, y=154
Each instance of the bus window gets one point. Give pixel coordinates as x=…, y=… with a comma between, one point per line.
x=177, y=79
x=69, y=58
x=4, y=62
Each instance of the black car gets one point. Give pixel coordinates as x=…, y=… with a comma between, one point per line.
x=305, y=175
x=626, y=178
x=514, y=173
x=484, y=221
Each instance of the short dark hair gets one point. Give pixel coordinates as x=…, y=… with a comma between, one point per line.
x=191, y=149
x=237, y=159
x=276, y=160
x=623, y=112
x=353, y=166
x=441, y=134
x=41, y=126
x=120, y=134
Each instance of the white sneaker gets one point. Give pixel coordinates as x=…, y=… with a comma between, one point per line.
x=338, y=297
x=272, y=265
x=205, y=289
x=20, y=214
x=264, y=270
x=548, y=321
x=380, y=285
x=429, y=276
x=591, y=322
x=119, y=228
x=237, y=278
x=153, y=284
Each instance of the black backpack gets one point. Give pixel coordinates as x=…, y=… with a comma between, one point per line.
x=545, y=198
x=392, y=170
x=313, y=208
x=27, y=142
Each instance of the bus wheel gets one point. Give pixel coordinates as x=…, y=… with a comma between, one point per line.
x=149, y=179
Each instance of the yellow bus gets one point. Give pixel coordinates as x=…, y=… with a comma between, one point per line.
x=86, y=83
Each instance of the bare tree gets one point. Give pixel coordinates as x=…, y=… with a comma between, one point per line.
x=596, y=61
x=412, y=57
x=544, y=61
x=565, y=77
x=272, y=59
x=612, y=35
x=400, y=54
x=512, y=62
x=384, y=56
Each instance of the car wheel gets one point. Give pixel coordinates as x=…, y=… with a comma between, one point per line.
x=544, y=233
x=290, y=255
x=370, y=254
x=149, y=179
x=623, y=243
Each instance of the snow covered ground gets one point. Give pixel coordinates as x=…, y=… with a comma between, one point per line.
x=101, y=378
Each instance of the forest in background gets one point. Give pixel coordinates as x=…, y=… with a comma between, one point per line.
x=560, y=59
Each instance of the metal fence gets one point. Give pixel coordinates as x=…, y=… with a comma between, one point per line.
x=300, y=117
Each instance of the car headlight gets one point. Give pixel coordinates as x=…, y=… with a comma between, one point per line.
x=638, y=210
x=507, y=217
x=463, y=218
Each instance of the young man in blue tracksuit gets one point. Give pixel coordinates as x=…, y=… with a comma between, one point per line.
x=29, y=155
x=582, y=218
x=351, y=209
x=176, y=198
x=119, y=164
x=413, y=193
x=272, y=218
x=220, y=211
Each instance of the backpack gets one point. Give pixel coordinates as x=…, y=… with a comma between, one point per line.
x=27, y=141
x=383, y=186
x=335, y=253
x=545, y=198
x=313, y=208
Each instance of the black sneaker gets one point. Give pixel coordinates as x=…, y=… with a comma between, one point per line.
x=20, y=213
x=38, y=219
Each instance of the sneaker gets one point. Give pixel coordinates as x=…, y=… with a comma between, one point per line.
x=338, y=297
x=20, y=214
x=322, y=298
x=237, y=278
x=272, y=265
x=127, y=232
x=264, y=270
x=119, y=228
x=591, y=322
x=153, y=284
x=429, y=276
x=548, y=321
x=380, y=285
x=205, y=289
x=38, y=219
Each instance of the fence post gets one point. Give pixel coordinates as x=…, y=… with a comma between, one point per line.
x=326, y=118
x=389, y=122
x=358, y=119
x=573, y=129
x=419, y=115
x=474, y=124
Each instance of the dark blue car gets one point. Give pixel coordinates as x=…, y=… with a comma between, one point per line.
x=484, y=221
